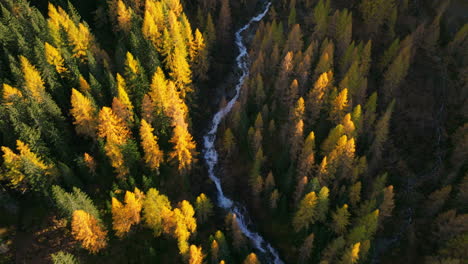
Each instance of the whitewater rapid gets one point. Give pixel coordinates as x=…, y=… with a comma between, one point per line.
x=211, y=155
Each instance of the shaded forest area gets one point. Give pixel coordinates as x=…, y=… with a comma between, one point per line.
x=348, y=144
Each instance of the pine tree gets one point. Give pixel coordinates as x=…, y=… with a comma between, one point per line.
x=153, y=154
x=306, y=213
x=63, y=258
x=323, y=204
x=229, y=143
x=301, y=184
x=84, y=113
x=306, y=249
x=355, y=193
x=320, y=18
x=238, y=238
x=340, y=219
x=332, y=139
x=369, y=111
x=69, y=202
x=325, y=63
x=307, y=156
x=331, y=251
x=294, y=42
x=203, y=208
x=85, y=228
x=224, y=22
x=396, y=72
x=373, y=13
x=381, y=132
x=387, y=205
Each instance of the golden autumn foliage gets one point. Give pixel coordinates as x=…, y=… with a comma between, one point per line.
x=10, y=93
x=153, y=154
x=84, y=85
x=124, y=16
x=122, y=94
x=54, y=58
x=131, y=63
x=339, y=106
x=32, y=79
x=196, y=255
x=251, y=259
x=90, y=162
x=26, y=169
x=306, y=213
x=84, y=113
x=183, y=224
x=157, y=212
x=124, y=216
x=184, y=148
x=87, y=230
x=78, y=33
x=113, y=129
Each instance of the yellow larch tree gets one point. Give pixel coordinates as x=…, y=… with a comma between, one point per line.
x=184, y=224
x=339, y=106
x=153, y=22
x=54, y=58
x=157, y=211
x=32, y=79
x=89, y=162
x=84, y=85
x=124, y=16
x=316, y=96
x=84, y=113
x=348, y=125
x=12, y=163
x=196, y=255
x=251, y=259
x=10, y=93
x=79, y=35
x=184, y=148
x=124, y=216
x=25, y=170
x=122, y=94
x=306, y=213
x=87, y=230
x=199, y=56
x=153, y=154
x=122, y=112
x=113, y=129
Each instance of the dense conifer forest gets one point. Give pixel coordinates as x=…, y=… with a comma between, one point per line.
x=347, y=143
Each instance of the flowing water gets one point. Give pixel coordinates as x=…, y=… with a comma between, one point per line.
x=211, y=155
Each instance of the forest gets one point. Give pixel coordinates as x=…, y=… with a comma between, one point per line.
x=234, y=131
